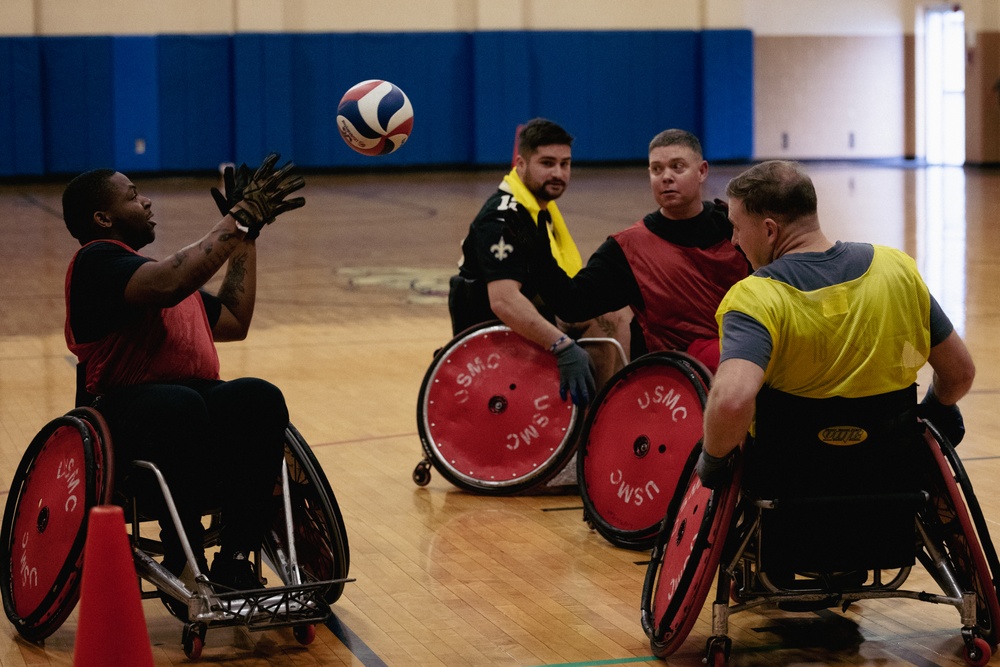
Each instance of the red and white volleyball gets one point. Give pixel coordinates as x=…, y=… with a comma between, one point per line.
x=375, y=117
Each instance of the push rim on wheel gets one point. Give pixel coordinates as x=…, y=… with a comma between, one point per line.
x=972, y=502
x=320, y=537
x=635, y=444
x=684, y=560
x=957, y=530
x=60, y=478
x=489, y=413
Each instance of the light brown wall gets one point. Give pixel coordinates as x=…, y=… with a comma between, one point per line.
x=909, y=96
x=821, y=90
x=982, y=108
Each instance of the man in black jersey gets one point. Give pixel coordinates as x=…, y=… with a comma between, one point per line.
x=495, y=281
x=671, y=268
x=144, y=332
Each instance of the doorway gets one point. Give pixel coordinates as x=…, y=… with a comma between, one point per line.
x=944, y=84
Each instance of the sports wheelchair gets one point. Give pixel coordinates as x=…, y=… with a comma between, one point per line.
x=636, y=440
x=68, y=469
x=489, y=413
x=803, y=546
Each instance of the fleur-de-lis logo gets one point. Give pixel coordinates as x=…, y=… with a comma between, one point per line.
x=500, y=249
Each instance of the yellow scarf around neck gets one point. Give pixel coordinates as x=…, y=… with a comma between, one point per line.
x=562, y=244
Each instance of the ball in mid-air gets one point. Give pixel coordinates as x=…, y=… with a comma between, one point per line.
x=374, y=117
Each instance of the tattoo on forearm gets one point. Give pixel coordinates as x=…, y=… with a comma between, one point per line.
x=178, y=258
x=206, y=247
x=233, y=283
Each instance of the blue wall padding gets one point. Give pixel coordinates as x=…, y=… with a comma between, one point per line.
x=195, y=101
x=263, y=85
x=727, y=94
x=615, y=90
x=136, y=104
x=288, y=88
x=21, y=147
x=199, y=100
x=611, y=90
x=500, y=92
x=78, y=103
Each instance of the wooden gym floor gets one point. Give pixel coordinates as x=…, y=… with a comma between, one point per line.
x=350, y=309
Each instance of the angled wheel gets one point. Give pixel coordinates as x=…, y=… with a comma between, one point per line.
x=636, y=441
x=320, y=536
x=489, y=414
x=685, y=558
x=972, y=502
x=948, y=523
x=62, y=475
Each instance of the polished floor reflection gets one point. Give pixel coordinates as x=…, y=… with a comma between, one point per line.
x=350, y=309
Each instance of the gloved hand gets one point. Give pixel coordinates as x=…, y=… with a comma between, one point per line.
x=575, y=377
x=712, y=470
x=234, y=180
x=532, y=238
x=264, y=196
x=946, y=418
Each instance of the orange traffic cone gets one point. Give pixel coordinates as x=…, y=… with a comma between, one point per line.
x=112, y=628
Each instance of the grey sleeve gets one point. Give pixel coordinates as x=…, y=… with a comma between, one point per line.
x=745, y=338
x=941, y=326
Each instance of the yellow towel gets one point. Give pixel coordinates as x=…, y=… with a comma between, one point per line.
x=563, y=247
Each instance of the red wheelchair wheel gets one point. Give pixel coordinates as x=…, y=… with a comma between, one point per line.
x=685, y=558
x=321, y=544
x=489, y=413
x=954, y=527
x=62, y=475
x=637, y=438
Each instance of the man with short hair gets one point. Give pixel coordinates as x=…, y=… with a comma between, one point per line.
x=823, y=328
x=672, y=268
x=495, y=280
x=144, y=332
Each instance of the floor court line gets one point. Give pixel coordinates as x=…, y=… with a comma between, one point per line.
x=597, y=663
x=354, y=643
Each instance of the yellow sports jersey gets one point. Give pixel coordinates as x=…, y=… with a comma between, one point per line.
x=858, y=338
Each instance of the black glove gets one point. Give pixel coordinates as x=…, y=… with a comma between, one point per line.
x=264, y=195
x=575, y=377
x=234, y=180
x=946, y=418
x=713, y=470
x=532, y=238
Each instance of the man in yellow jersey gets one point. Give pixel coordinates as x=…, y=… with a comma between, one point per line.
x=495, y=280
x=823, y=333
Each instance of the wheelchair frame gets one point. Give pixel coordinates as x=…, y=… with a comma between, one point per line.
x=309, y=587
x=728, y=542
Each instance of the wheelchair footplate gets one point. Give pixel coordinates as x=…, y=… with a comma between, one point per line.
x=264, y=608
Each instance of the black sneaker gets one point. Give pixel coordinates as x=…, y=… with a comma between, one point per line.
x=236, y=573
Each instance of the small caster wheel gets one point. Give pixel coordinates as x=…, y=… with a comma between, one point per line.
x=978, y=652
x=718, y=649
x=422, y=473
x=734, y=593
x=193, y=640
x=304, y=634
